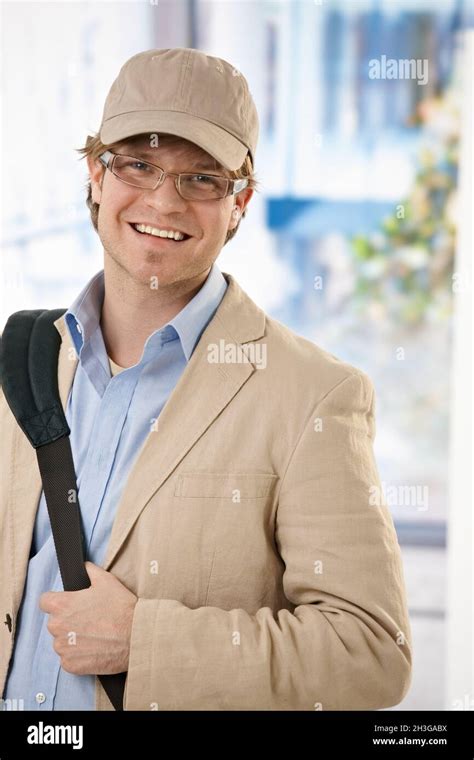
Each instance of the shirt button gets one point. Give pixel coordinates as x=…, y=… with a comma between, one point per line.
x=40, y=698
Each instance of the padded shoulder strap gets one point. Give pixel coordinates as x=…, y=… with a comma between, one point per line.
x=29, y=361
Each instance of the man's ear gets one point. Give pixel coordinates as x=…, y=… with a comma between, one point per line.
x=96, y=174
x=240, y=201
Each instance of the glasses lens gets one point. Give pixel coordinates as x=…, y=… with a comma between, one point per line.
x=201, y=187
x=136, y=172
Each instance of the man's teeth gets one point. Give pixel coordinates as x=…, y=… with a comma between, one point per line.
x=159, y=233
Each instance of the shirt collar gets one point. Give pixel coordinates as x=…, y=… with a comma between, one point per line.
x=83, y=317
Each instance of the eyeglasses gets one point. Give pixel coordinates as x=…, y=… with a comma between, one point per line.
x=194, y=187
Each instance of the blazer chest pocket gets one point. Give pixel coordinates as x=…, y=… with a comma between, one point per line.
x=237, y=512
x=235, y=487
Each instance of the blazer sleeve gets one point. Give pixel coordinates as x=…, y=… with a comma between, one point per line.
x=347, y=643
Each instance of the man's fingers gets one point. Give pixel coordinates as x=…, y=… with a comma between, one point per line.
x=50, y=601
x=47, y=600
x=95, y=571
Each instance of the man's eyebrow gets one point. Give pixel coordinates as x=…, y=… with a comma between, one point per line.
x=205, y=163
x=150, y=154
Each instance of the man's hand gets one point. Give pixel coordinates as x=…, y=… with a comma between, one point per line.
x=92, y=628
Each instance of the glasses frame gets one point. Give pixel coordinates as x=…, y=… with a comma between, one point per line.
x=233, y=185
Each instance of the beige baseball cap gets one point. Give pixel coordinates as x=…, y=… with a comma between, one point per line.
x=184, y=92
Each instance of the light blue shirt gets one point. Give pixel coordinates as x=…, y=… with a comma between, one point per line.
x=110, y=418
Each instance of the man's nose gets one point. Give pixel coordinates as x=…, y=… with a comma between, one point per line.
x=166, y=196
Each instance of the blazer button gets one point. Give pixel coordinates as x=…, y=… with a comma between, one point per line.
x=8, y=622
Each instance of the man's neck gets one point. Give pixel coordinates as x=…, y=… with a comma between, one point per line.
x=132, y=311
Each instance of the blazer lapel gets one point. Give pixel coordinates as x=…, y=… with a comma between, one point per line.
x=67, y=361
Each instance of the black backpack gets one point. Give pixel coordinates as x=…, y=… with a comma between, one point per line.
x=29, y=376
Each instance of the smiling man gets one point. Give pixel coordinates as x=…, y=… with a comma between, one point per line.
x=236, y=559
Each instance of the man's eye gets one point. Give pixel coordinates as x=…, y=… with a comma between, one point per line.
x=202, y=179
x=140, y=166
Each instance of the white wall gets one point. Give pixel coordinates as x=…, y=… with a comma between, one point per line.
x=460, y=628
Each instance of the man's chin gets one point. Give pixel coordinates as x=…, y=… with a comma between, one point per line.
x=154, y=269
x=152, y=274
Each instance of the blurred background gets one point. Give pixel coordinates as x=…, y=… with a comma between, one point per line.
x=359, y=238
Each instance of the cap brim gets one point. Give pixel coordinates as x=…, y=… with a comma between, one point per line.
x=220, y=144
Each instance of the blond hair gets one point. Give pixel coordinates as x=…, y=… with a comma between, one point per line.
x=94, y=148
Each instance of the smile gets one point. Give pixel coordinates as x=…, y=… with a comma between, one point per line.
x=174, y=235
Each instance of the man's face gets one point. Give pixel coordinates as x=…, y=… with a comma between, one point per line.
x=143, y=256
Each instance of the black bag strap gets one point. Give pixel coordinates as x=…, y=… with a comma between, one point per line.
x=28, y=363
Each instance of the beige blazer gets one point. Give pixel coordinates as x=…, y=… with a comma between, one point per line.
x=266, y=579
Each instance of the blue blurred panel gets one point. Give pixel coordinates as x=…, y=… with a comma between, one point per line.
x=309, y=219
x=281, y=211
